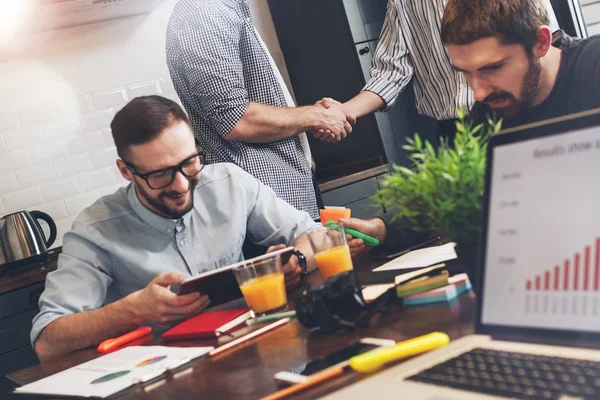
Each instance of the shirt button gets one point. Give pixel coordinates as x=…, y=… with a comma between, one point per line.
x=181, y=243
x=169, y=230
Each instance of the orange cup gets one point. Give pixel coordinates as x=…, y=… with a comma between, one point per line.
x=334, y=214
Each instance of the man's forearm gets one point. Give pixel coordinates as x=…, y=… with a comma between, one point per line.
x=364, y=103
x=263, y=123
x=303, y=245
x=80, y=330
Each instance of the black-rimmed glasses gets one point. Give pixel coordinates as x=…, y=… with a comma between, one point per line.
x=162, y=178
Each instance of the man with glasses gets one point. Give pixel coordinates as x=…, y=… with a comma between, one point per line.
x=177, y=218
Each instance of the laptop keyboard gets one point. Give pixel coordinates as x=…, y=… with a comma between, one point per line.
x=517, y=375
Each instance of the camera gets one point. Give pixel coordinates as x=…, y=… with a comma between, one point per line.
x=334, y=304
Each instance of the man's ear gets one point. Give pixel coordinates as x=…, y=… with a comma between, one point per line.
x=543, y=42
x=125, y=172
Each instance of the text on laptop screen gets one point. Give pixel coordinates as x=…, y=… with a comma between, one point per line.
x=542, y=266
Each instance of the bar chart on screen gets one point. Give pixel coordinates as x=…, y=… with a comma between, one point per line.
x=542, y=264
x=570, y=287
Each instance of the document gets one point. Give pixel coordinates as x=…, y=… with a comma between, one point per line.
x=114, y=372
x=421, y=258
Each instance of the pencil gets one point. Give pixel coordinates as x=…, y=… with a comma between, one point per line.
x=249, y=336
x=315, y=380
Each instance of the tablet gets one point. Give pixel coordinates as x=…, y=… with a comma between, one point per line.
x=220, y=285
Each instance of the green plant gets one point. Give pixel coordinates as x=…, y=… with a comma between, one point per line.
x=441, y=191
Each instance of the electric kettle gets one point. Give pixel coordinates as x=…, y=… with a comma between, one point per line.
x=22, y=239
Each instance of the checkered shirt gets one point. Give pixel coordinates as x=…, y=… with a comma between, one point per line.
x=218, y=66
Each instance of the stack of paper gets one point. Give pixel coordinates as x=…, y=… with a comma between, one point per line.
x=421, y=258
x=422, y=284
x=457, y=285
x=112, y=373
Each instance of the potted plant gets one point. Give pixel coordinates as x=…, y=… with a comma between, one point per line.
x=441, y=191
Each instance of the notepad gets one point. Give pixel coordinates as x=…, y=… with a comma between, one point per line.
x=457, y=285
x=208, y=324
x=116, y=372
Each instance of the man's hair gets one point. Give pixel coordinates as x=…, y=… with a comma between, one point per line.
x=142, y=120
x=513, y=21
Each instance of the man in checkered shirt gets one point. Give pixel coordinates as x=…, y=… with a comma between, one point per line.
x=238, y=104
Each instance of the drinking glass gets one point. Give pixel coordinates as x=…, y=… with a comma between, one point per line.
x=262, y=284
x=331, y=250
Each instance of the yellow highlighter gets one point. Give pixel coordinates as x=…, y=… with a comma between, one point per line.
x=374, y=359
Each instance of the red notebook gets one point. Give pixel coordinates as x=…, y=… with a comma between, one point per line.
x=207, y=324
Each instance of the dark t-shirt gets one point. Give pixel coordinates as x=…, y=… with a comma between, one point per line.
x=577, y=86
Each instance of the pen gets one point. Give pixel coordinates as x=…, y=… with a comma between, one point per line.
x=249, y=336
x=314, y=380
x=272, y=317
x=374, y=359
x=110, y=344
x=424, y=244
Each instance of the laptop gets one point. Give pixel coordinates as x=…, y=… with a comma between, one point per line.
x=537, y=328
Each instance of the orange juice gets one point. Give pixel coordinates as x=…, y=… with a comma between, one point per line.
x=265, y=293
x=334, y=261
x=334, y=214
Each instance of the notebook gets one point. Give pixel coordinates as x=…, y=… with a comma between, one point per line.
x=114, y=373
x=208, y=324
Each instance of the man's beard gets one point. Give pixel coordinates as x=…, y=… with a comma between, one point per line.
x=159, y=204
x=529, y=91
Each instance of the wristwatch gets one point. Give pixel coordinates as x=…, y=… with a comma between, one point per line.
x=301, y=261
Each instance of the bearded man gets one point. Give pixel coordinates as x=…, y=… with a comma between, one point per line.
x=516, y=68
x=178, y=217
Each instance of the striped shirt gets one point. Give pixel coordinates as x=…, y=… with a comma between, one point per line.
x=218, y=66
x=410, y=46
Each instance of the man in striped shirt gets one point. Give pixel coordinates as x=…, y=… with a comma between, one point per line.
x=410, y=47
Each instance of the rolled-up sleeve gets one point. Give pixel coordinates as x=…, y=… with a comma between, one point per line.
x=210, y=62
x=80, y=281
x=391, y=68
x=271, y=220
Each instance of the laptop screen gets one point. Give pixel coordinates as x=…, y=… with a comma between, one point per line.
x=542, y=250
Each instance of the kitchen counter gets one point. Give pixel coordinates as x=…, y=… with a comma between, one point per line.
x=28, y=277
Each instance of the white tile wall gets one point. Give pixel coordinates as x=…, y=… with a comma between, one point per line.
x=76, y=204
x=35, y=174
x=62, y=128
x=3, y=147
x=60, y=188
x=73, y=165
x=97, y=179
x=9, y=121
x=14, y=160
x=49, y=150
x=8, y=182
x=56, y=148
x=85, y=142
x=23, y=138
x=22, y=198
x=35, y=115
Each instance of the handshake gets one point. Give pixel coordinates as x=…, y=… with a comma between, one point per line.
x=333, y=121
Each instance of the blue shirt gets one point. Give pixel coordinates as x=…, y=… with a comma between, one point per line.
x=117, y=246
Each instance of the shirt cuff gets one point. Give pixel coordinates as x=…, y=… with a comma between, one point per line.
x=40, y=322
x=388, y=91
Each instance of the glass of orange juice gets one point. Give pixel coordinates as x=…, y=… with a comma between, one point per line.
x=330, y=213
x=331, y=250
x=263, y=286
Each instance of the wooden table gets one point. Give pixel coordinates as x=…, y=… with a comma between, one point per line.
x=247, y=373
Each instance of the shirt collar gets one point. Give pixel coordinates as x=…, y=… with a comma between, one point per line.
x=158, y=222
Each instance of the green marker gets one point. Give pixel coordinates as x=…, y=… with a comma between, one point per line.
x=369, y=240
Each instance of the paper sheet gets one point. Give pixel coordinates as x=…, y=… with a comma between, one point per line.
x=421, y=258
x=114, y=372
